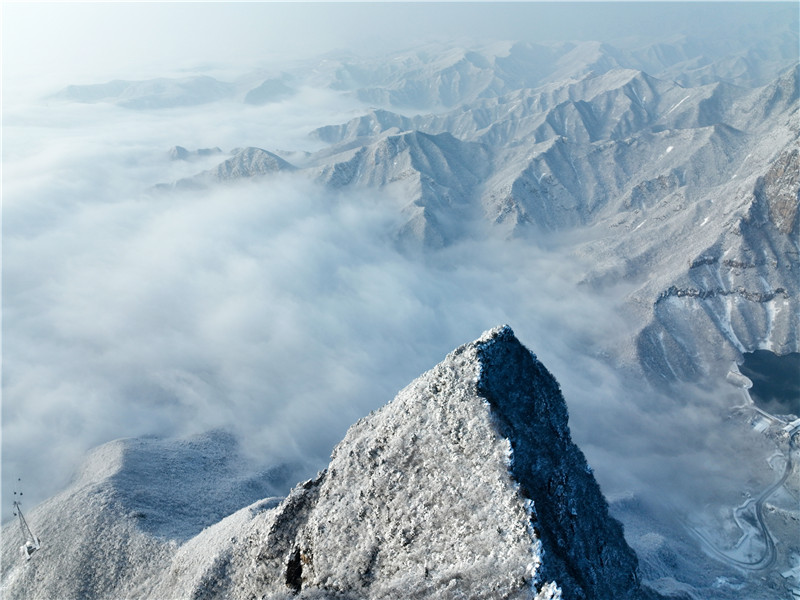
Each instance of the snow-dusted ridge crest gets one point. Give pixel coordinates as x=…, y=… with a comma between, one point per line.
x=467, y=484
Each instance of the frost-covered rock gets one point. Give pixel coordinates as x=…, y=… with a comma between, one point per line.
x=114, y=530
x=245, y=163
x=466, y=485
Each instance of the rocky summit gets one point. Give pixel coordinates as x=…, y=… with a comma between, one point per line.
x=466, y=485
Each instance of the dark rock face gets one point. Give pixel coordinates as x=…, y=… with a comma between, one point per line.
x=584, y=548
x=473, y=456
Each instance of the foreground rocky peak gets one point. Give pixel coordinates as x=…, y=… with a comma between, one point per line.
x=467, y=484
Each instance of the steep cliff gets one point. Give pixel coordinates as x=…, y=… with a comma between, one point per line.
x=467, y=484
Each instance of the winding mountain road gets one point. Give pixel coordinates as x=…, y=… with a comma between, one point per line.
x=770, y=553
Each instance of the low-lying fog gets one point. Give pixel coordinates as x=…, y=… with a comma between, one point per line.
x=276, y=309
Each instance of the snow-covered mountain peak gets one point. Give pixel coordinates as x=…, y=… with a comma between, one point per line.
x=498, y=335
x=250, y=162
x=245, y=163
x=465, y=485
x=113, y=530
x=471, y=457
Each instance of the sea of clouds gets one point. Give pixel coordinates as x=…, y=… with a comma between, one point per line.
x=278, y=309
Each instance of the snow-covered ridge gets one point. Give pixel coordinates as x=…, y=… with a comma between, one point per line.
x=465, y=485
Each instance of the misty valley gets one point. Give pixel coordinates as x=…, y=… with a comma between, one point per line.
x=257, y=315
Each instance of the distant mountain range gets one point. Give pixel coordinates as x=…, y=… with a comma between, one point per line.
x=447, y=76
x=686, y=190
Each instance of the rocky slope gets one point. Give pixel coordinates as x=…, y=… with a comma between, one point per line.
x=245, y=163
x=467, y=484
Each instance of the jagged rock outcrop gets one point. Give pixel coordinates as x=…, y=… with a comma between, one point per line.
x=467, y=484
x=779, y=189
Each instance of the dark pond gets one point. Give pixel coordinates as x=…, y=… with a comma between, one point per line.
x=776, y=381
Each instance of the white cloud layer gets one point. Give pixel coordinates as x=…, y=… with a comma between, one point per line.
x=275, y=309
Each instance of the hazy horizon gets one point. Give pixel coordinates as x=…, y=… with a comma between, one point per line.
x=90, y=42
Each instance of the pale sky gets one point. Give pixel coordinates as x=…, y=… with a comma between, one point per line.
x=88, y=42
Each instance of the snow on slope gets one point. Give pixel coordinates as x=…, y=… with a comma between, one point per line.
x=438, y=76
x=466, y=485
x=658, y=178
x=648, y=176
x=432, y=178
x=133, y=502
x=244, y=164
